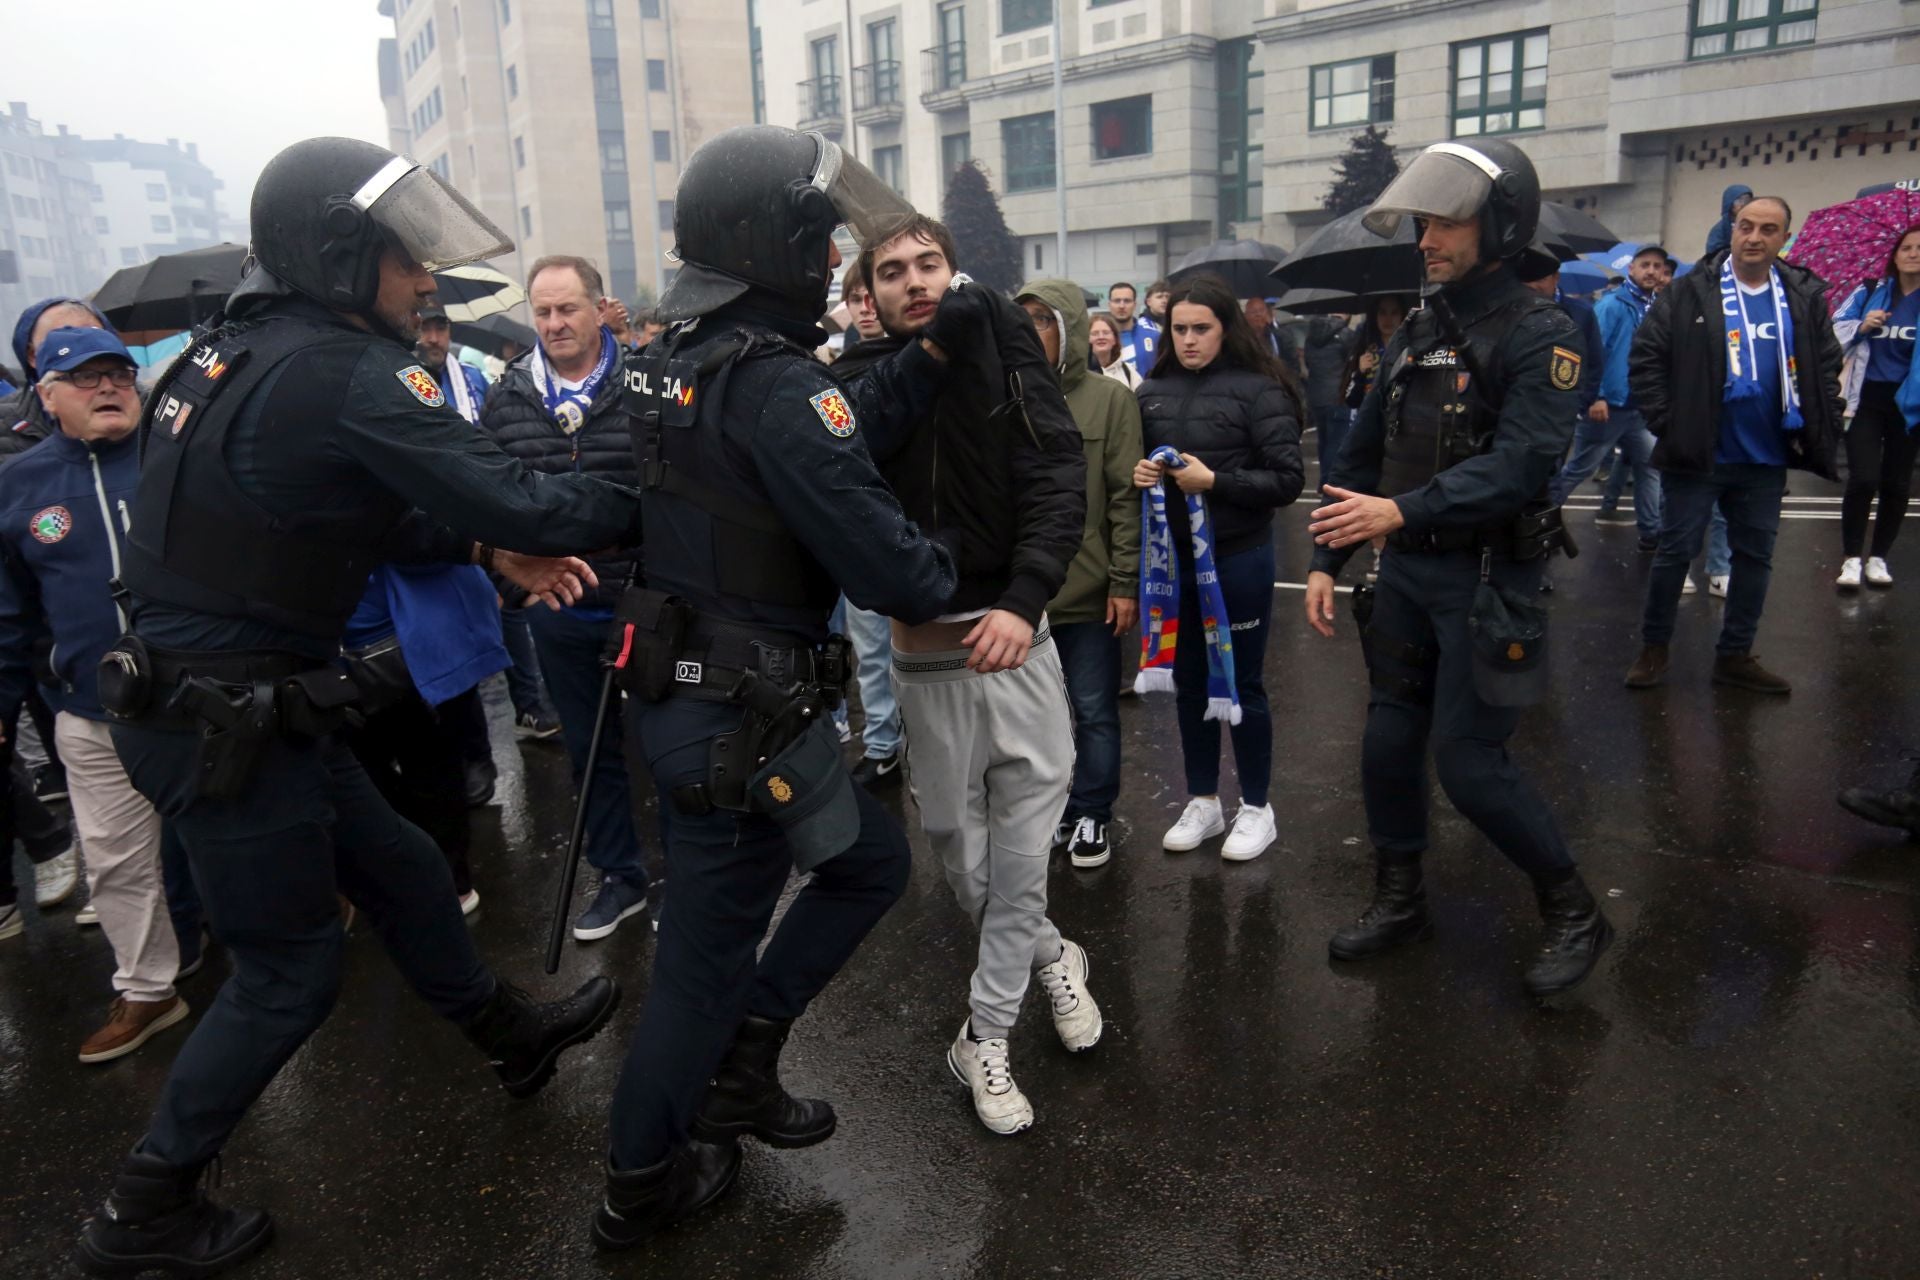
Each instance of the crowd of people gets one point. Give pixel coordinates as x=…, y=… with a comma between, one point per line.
x=1125, y=498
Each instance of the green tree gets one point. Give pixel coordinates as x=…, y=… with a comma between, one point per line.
x=1362, y=173
x=989, y=252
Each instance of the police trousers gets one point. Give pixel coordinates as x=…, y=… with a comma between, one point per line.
x=728, y=871
x=1423, y=694
x=268, y=864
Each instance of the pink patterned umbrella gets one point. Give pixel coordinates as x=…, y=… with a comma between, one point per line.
x=1849, y=244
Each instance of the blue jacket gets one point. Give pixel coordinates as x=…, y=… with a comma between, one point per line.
x=1618, y=318
x=1594, y=347
x=446, y=618
x=63, y=515
x=1878, y=297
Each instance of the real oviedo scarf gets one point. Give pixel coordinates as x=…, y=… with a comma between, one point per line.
x=1160, y=599
x=569, y=409
x=1743, y=382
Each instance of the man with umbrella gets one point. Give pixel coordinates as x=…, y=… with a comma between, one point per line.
x=1449, y=459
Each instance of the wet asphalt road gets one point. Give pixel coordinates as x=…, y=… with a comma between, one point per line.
x=1730, y=1096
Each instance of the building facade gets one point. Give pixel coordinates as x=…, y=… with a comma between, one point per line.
x=567, y=121
x=150, y=198
x=47, y=239
x=1188, y=120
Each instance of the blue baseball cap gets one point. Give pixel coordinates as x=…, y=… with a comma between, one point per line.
x=66, y=349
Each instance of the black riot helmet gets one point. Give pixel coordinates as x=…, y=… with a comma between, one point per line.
x=324, y=209
x=757, y=207
x=1488, y=177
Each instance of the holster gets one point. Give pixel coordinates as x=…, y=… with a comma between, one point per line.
x=379, y=672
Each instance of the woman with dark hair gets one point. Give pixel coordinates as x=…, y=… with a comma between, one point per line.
x=1221, y=401
x=1103, y=332
x=1885, y=391
x=1388, y=313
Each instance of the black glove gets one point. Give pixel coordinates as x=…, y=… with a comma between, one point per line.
x=964, y=317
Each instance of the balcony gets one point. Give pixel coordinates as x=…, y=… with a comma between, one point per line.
x=945, y=73
x=876, y=94
x=821, y=106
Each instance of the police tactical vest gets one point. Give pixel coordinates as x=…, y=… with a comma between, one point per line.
x=1442, y=405
x=708, y=531
x=199, y=542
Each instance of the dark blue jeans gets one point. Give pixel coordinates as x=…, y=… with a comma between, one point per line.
x=569, y=649
x=269, y=863
x=1090, y=660
x=728, y=872
x=1420, y=606
x=1246, y=583
x=523, y=677
x=1749, y=496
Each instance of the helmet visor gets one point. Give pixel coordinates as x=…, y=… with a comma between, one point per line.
x=428, y=220
x=870, y=208
x=1447, y=180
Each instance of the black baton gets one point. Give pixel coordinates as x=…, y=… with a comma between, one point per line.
x=557, y=933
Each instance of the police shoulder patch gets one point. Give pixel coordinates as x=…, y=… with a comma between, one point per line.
x=422, y=385
x=1563, y=369
x=834, y=411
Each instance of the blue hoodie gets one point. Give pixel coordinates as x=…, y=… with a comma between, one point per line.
x=63, y=515
x=23, y=328
x=1721, y=237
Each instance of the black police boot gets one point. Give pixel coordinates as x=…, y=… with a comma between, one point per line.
x=158, y=1218
x=746, y=1096
x=1397, y=915
x=1577, y=933
x=522, y=1037
x=642, y=1202
x=1897, y=808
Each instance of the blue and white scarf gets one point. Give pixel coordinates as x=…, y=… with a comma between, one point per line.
x=1160, y=599
x=1743, y=382
x=1642, y=300
x=570, y=409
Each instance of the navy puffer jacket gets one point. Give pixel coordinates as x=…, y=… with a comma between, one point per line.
x=1245, y=426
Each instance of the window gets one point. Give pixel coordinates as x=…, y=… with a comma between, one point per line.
x=1242, y=116
x=1024, y=15
x=649, y=8
x=156, y=191
x=887, y=167
x=1123, y=127
x=1738, y=26
x=1500, y=85
x=526, y=219
x=1357, y=92
x=129, y=257
x=100, y=226
x=666, y=215
x=429, y=35
x=1026, y=143
x=456, y=22
x=619, y=222
x=519, y=153
x=600, y=14
x=513, y=83
x=952, y=50
x=506, y=12
x=162, y=223
x=443, y=166
x=613, y=153
x=823, y=57
x=759, y=78
x=606, y=80
x=656, y=75
x=955, y=150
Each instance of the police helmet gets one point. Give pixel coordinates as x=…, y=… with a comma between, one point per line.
x=756, y=208
x=325, y=209
x=1488, y=177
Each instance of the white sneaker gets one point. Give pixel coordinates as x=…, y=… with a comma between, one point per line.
x=1253, y=831
x=54, y=880
x=1877, y=575
x=87, y=915
x=10, y=921
x=1075, y=1016
x=1687, y=588
x=1849, y=577
x=469, y=902
x=1717, y=585
x=986, y=1068
x=1200, y=821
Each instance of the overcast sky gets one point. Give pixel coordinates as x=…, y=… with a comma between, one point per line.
x=243, y=78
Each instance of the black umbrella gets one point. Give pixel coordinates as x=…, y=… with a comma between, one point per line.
x=1244, y=264
x=487, y=335
x=475, y=291
x=174, y=291
x=1345, y=257
x=1564, y=225
x=1327, y=302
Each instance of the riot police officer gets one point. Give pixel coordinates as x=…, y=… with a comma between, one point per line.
x=762, y=504
x=1449, y=460
x=288, y=451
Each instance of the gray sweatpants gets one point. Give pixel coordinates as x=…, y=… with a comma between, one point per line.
x=992, y=760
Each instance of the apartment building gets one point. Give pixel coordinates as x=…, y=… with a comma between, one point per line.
x=1189, y=120
x=150, y=198
x=567, y=121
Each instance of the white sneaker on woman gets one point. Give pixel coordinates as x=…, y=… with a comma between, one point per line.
x=1849, y=574
x=1201, y=821
x=55, y=879
x=1253, y=831
x=1877, y=575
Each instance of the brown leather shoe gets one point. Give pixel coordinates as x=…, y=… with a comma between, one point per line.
x=130, y=1024
x=1743, y=671
x=1649, y=669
